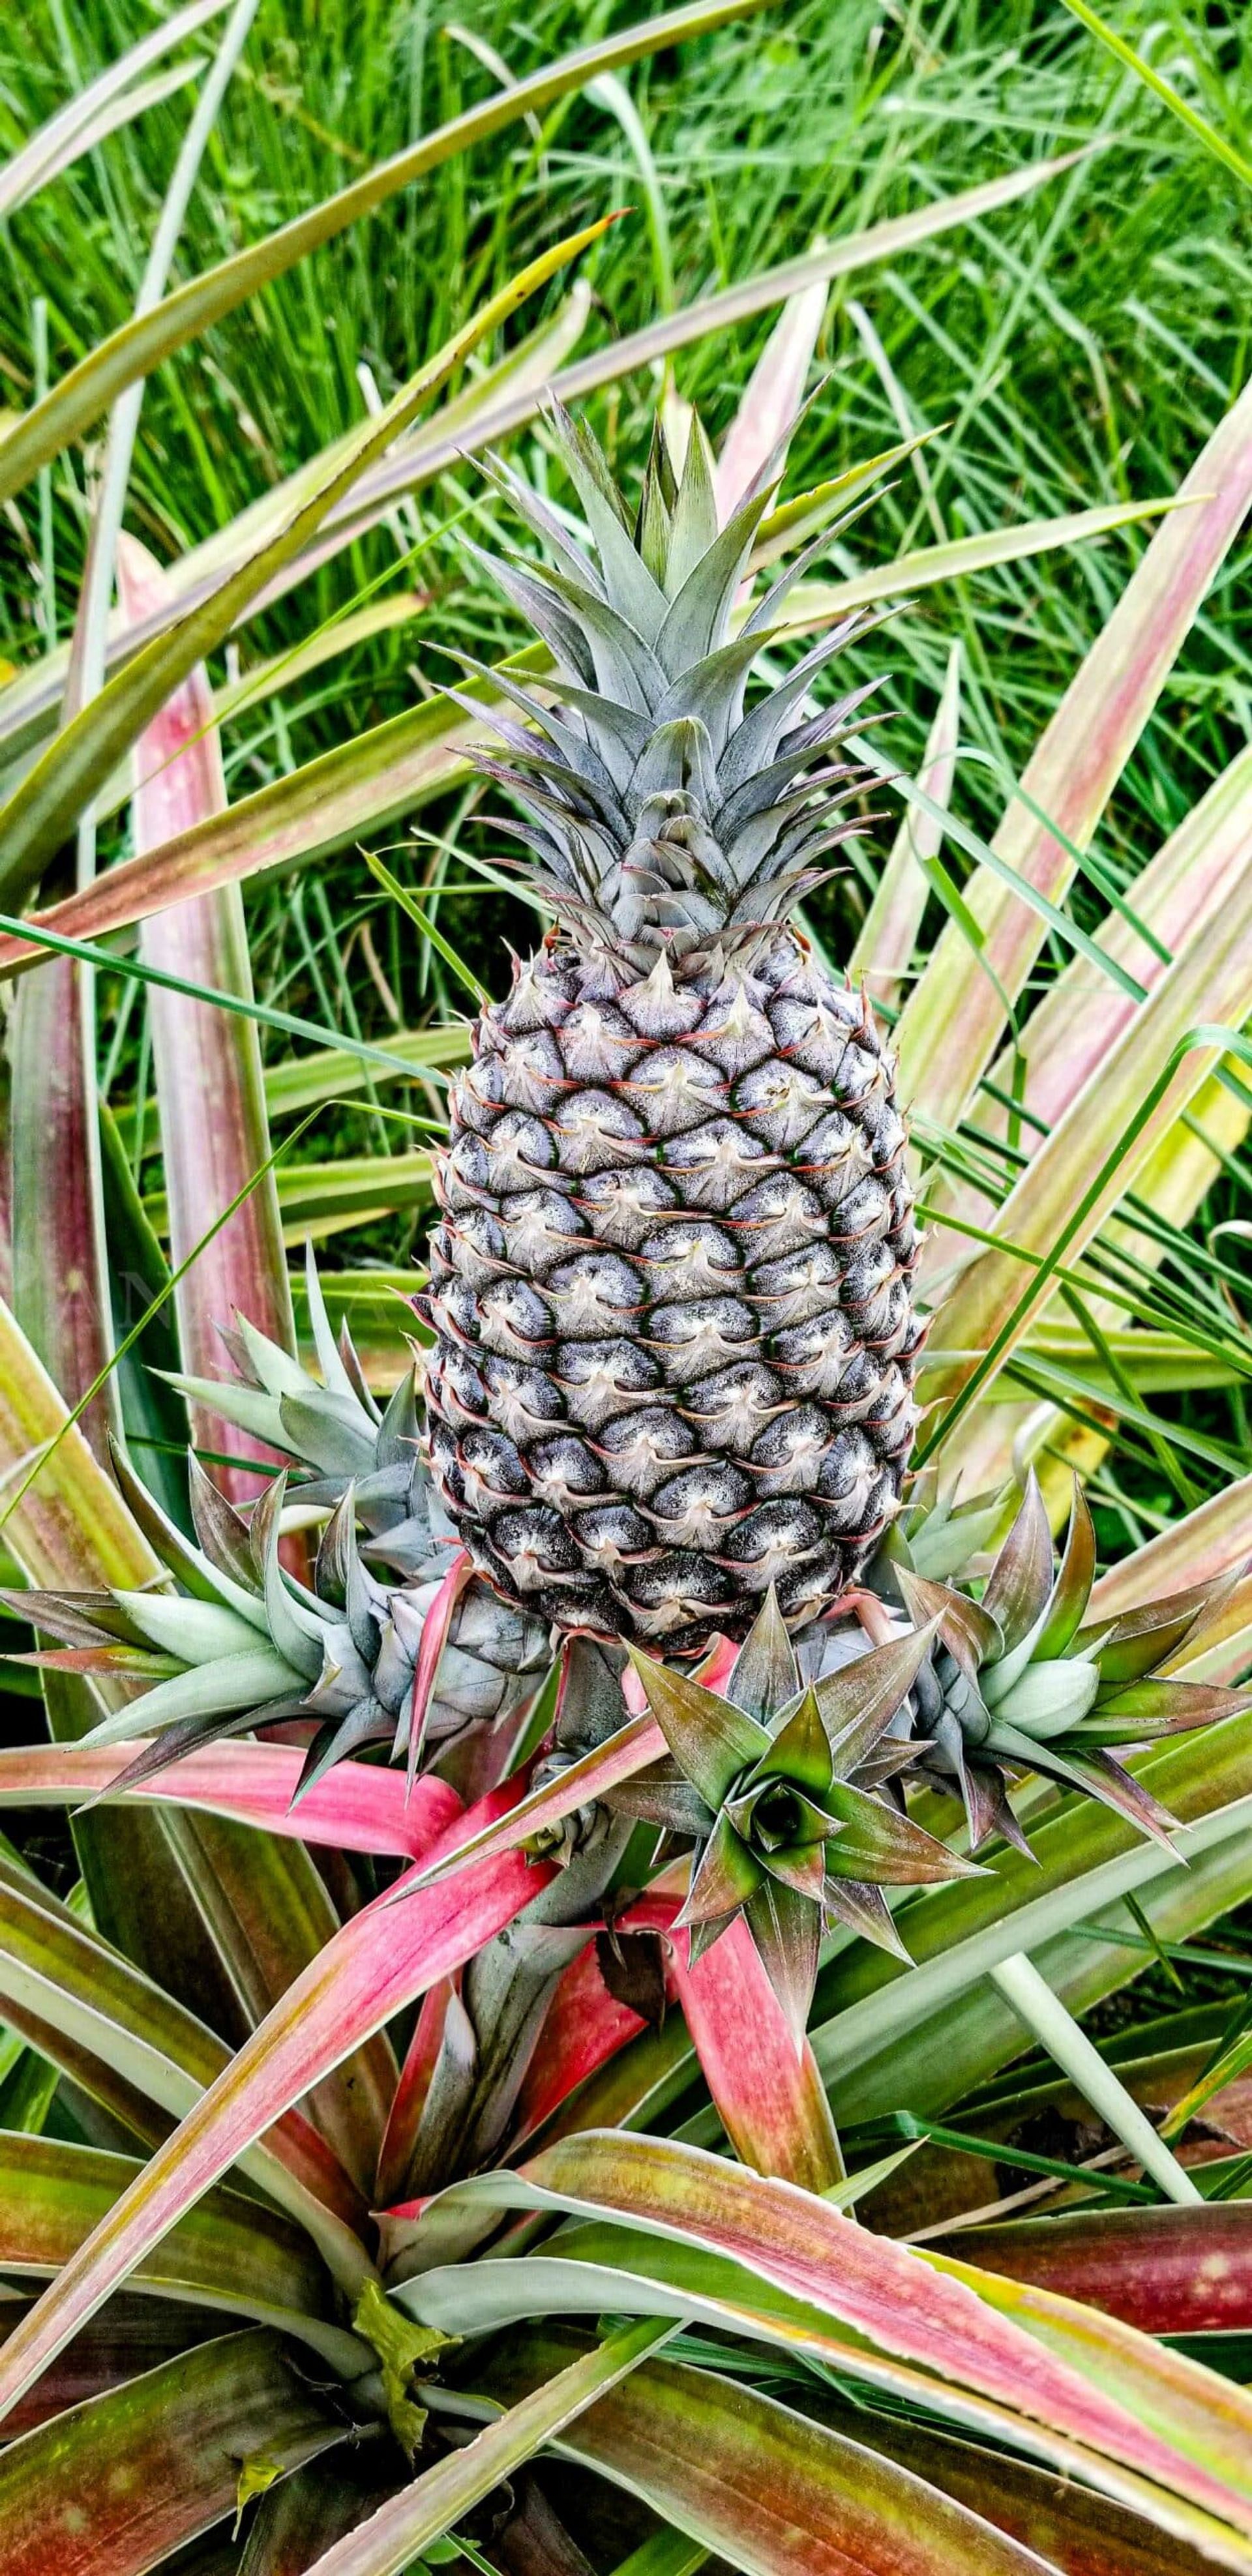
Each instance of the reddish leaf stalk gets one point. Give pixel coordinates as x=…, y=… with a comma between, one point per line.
x=209, y=1085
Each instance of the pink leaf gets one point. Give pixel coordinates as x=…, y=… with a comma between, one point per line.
x=1167, y=2271
x=949, y=1028
x=714, y=1672
x=630, y=1750
x=1213, y=1540
x=380, y=1961
x=357, y=1807
x=209, y=1088
x=797, y=2242
x=400, y=2137
x=888, y=935
x=59, y=1288
x=771, y=2101
x=585, y=2026
x=771, y=398
x=435, y=1629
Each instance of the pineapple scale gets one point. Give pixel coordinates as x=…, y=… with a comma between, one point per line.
x=670, y=1288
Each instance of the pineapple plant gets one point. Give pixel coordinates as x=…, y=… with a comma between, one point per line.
x=670, y=1288
x=669, y=1403
x=511, y=1785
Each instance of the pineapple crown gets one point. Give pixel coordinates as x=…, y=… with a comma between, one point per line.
x=667, y=818
x=242, y=1644
x=775, y=1784
x=335, y=1431
x=1022, y=1677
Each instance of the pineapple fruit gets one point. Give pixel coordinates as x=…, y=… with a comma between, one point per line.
x=670, y=1288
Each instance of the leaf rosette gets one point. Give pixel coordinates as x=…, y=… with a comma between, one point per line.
x=1022, y=1678
x=776, y=1784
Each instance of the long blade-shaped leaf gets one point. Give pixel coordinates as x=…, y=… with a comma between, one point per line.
x=63, y=782
x=71, y=1531
x=1206, y=2418
x=631, y=1749
x=130, y=2477
x=61, y=1295
x=1091, y=1157
x=1064, y=1043
x=356, y=1807
x=947, y=2051
x=1187, y=114
x=209, y=1085
x=408, y=2522
x=1167, y=2271
x=735, y=304
x=52, y=1967
x=1155, y=2422
x=814, y=605
x=62, y=1301
x=522, y=2361
x=949, y=1029
x=382, y=1960
x=132, y=352
x=1205, y=1544
x=585, y=2025
x=1178, y=893
x=771, y=398
x=327, y=804
x=589, y=2270
x=767, y=2092
x=230, y=2253
x=1083, y=1859
x=28, y=707
x=1107, y=1368
x=1069, y=2526
x=885, y=944
x=270, y=1914
x=62, y=1264
x=775, y=2493
x=104, y=103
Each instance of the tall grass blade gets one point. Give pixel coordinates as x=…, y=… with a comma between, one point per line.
x=101, y=106
x=121, y=360
x=1187, y=115
x=48, y=801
